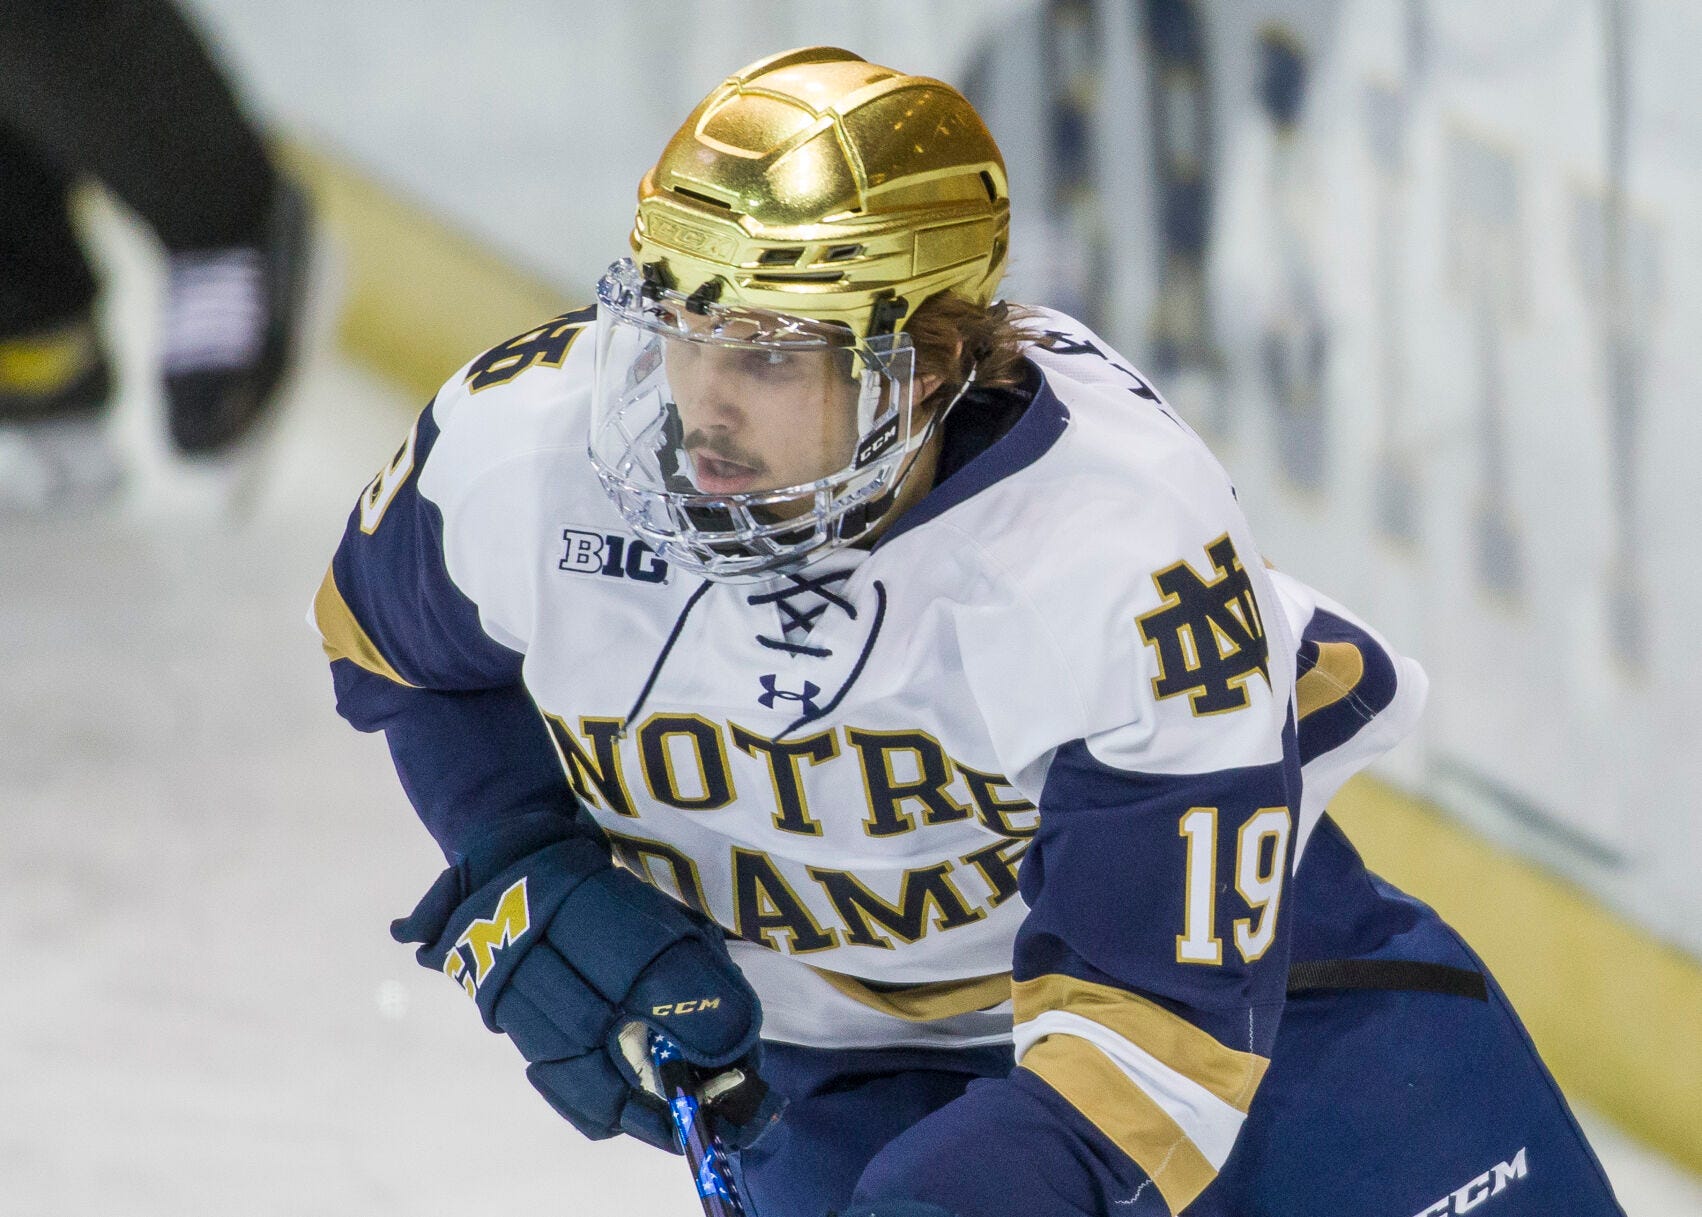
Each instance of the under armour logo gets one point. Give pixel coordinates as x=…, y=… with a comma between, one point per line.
x=772, y=694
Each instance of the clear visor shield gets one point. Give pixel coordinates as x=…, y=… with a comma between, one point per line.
x=739, y=439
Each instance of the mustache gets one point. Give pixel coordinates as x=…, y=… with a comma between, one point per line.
x=718, y=446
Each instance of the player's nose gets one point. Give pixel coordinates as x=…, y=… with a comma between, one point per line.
x=713, y=402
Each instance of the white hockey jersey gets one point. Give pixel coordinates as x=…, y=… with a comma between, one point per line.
x=1035, y=757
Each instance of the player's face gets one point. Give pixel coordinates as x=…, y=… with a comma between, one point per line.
x=761, y=418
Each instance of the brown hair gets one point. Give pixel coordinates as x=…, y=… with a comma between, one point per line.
x=993, y=339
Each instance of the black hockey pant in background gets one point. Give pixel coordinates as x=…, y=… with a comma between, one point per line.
x=123, y=91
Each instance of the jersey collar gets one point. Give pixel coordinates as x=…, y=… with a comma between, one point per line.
x=1027, y=441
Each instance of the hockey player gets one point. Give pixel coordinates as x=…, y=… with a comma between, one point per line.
x=878, y=690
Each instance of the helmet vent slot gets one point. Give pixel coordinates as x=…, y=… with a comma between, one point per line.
x=703, y=198
x=779, y=257
x=839, y=253
x=987, y=185
x=813, y=276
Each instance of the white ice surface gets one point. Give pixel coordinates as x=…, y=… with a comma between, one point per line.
x=198, y=861
x=203, y=1012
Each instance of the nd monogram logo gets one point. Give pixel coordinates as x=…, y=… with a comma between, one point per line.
x=474, y=954
x=1209, y=638
x=772, y=694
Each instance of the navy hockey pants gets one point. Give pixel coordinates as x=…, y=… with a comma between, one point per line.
x=1376, y=1104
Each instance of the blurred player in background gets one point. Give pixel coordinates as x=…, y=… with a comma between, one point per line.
x=945, y=768
x=122, y=91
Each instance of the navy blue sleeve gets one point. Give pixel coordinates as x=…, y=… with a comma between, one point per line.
x=409, y=657
x=1009, y=1147
x=1111, y=885
x=1148, y=982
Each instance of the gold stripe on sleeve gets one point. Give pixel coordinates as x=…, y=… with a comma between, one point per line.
x=1337, y=673
x=926, y=1002
x=1126, y=1114
x=1230, y=1075
x=342, y=635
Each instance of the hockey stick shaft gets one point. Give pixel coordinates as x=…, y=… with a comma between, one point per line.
x=703, y=1150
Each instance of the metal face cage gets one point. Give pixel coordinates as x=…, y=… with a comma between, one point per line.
x=738, y=441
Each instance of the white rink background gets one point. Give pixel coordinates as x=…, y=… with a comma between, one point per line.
x=198, y=862
x=197, y=858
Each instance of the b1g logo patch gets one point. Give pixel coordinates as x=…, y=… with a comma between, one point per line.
x=1208, y=636
x=602, y=553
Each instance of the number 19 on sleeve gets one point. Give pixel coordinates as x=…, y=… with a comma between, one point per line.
x=1261, y=851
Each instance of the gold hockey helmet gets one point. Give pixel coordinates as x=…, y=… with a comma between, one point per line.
x=814, y=183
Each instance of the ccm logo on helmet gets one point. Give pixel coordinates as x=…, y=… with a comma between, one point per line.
x=878, y=444
x=694, y=240
x=598, y=553
x=686, y=1007
x=1467, y=1198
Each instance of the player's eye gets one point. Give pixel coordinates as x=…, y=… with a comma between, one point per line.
x=766, y=361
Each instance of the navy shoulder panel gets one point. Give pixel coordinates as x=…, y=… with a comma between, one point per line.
x=389, y=605
x=1344, y=679
x=1042, y=424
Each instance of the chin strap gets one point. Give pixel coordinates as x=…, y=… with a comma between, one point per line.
x=917, y=442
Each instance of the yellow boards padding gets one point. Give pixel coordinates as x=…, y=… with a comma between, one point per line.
x=1617, y=1015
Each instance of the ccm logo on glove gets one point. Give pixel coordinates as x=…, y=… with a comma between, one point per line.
x=686, y=1007
x=469, y=961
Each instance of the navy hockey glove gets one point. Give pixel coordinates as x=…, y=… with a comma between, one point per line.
x=573, y=959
